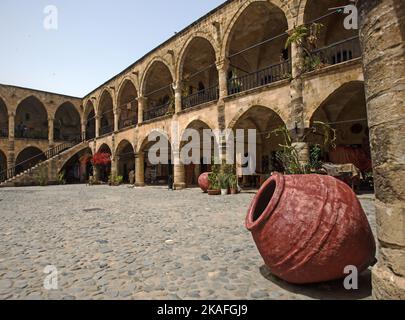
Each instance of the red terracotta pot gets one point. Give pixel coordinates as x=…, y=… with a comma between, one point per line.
x=203, y=182
x=308, y=228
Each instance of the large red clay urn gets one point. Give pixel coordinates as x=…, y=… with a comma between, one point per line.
x=203, y=182
x=309, y=228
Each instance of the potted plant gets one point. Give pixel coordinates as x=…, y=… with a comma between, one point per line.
x=214, y=187
x=307, y=38
x=115, y=181
x=223, y=180
x=233, y=184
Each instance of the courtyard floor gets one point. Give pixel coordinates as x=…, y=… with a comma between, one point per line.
x=148, y=243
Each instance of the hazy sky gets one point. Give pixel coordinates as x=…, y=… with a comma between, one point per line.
x=95, y=39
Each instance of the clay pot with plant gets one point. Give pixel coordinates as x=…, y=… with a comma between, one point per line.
x=214, y=187
x=223, y=179
x=233, y=184
x=309, y=227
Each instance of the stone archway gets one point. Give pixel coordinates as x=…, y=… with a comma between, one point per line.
x=155, y=172
x=3, y=119
x=31, y=120
x=193, y=170
x=158, y=91
x=125, y=158
x=106, y=113
x=198, y=73
x=78, y=168
x=104, y=172
x=345, y=111
x=264, y=120
x=28, y=158
x=90, y=120
x=3, y=165
x=67, y=123
x=127, y=105
x=336, y=43
x=255, y=48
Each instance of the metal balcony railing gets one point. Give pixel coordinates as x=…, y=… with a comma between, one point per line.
x=31, y=134
x=338, y=52
x=260, y=78
x=200, y=97
x=12, y=172
x=106, y=130
x=70, y=138
x=3, y=132
x=128, y=122
x=156, y=112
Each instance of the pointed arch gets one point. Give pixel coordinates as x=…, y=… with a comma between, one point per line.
x=127, y=104
x=3, y=119
x=31, y=119
x=157, y=87
x=67, y=123
x=106, y=112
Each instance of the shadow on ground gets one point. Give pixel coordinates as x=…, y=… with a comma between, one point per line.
x=333, y=290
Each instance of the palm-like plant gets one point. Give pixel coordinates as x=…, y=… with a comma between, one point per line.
x=307, y=38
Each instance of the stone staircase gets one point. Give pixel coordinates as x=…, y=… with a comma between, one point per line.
x=48, y=169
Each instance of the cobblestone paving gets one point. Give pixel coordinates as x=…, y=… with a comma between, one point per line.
x=150, y=243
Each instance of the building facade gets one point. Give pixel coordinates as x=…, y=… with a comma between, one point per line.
x=231, y=69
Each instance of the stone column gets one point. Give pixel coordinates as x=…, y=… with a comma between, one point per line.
x=296, y=124
x=51, y=132
x=384, y=70
x=179, y=174
x=98, y=125
x=11, y=144
x=303, y=152
x=114, y=166
x=141, y=108
x=178, y=94
x=222, y=67
x=96, y=173
x=140, y=169
x=116, y=120
x=83, y=130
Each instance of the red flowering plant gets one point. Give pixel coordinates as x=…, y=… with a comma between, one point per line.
x=98, y=160
x=101, y=159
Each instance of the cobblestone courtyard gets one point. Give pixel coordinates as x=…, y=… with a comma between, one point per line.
x=149, y=243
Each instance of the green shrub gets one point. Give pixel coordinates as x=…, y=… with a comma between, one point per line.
x=42, y=176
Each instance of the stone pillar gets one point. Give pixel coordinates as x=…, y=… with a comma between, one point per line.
x=179, y=174
x=178, y=95
x=296, y=122
x=223, y=67
x=11, y=144
x=51, y=132
x=116, y=120
x=141, y=108
x=96, y=173
x=83, y=130
x=384, y=70
x=98, y=125
x=140, y=169
x=114, y=165
x=303, y=152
